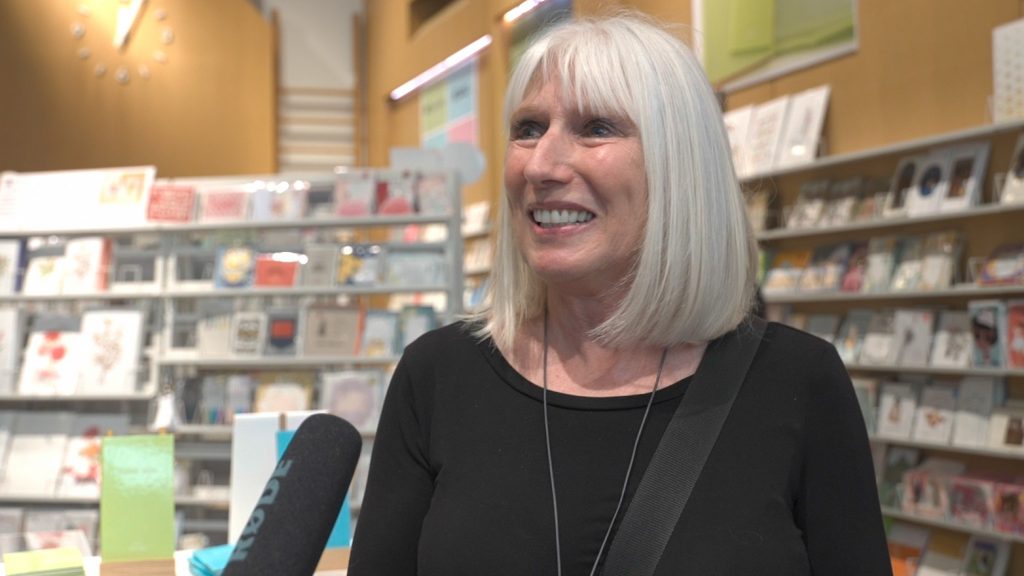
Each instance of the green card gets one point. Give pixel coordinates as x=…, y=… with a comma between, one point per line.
x=137, y=498
x=53, y=560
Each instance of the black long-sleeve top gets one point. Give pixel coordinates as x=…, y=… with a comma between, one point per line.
x=459, y=482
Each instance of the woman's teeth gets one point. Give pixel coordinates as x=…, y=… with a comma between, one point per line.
x=551, y=218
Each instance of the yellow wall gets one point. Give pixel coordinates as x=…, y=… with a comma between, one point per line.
x=208, y=110
x=923, y=67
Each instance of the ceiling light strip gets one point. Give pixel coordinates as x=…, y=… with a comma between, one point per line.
x=520, y=10
x=439, y=69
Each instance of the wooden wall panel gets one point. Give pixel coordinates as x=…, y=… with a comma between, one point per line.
x=208, y=110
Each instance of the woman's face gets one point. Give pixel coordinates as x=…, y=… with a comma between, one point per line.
x=577, y=191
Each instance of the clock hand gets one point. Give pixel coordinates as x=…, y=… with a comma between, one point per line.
x=127, y=17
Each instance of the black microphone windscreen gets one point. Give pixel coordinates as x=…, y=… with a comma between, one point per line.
x=289, y=527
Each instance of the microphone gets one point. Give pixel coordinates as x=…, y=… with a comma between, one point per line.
x=289, y=527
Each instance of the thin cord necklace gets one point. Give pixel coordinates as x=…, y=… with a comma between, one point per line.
x=629, y=469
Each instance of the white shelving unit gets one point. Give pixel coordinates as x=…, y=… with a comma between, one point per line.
x=210, y=445
x=986, y=224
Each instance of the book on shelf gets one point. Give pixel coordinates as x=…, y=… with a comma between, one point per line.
x=111, y=345
x=7, y=420
x=936, y=413
x=475, y=217
x=906, y=275
x=171, y=203
x=826, y=269
x=284, y=391
x=1013, y=187
x=279, y=201
x=926, y=487
x=942, y=557
x=866, y=390
x=786, y=269
x=433, y=193
x=235, y=267
x=986, y=556
x=86, y=262
x=1006, y=427
x=360, y=265
x=396, y=192
x=897, y=405
x=930, y=185
x=951, y=347
x=49, y=529
x=988, y=332
x=737, y=127
x=239, y=391
x=940, y=255
x=810, y=205
x=766, y=126
x=850, y=338
x=12, y=263
x=50, y=363
x=902, y=186
x=43, y=276
x=280, y=269
x=1008, y=511
x=223, y=204
x=282, y=332
x=213, y=328
x=331, y=330
x=11, y=520
x=907, y=544
x=976, y=399
x=355, y=193
x=881, y=261
x=352, y=395
x=248, y=333
x=843, y=196
x=823, y=326
x=968, y=164
x=415, y=268
x=856, y=268
x=971, y=499
x=319, y=269
x=898, y=460
x=1004, y=266
x=1015, y=334
x=415, y=321
x=12, y=336
x=879, y=347
x=913, y=328
x=36, y=453
x=380, y=334
x=1008, y=71
x=80, y=471
x=758, y=205
x=802, y=132
x=213, y=399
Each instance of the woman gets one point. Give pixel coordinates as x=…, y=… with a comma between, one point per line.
x=512, y=443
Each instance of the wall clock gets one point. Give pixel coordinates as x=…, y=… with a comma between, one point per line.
x=105, y=31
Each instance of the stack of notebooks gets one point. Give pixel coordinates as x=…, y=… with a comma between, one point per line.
x=52, y=562
x=210, y=561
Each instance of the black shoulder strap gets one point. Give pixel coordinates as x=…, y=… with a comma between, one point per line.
x=670, y=477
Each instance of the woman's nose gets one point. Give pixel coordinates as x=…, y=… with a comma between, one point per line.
x=549, y=160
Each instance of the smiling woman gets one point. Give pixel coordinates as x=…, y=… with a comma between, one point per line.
x=515, y=441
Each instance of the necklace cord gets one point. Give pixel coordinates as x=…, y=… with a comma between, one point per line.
x=629, y=468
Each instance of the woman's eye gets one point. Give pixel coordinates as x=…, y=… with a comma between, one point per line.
x=526, y=130
x=599, y=129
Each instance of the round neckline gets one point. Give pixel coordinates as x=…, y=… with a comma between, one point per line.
x=563, y=400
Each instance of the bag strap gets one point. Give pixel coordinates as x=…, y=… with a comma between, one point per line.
x=677, y=463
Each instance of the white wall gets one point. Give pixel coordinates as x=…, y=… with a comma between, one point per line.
x=316, y=41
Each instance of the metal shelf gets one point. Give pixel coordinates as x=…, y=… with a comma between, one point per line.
x=974, y=451
x=937, y=370
x=279, y=361
x=960, y=291
x=303, y=223
x=977, y=132
x=882, y=224
x=950, y=525
x=302, y=291
x=134, y=397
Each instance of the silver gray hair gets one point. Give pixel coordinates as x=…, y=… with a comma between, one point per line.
x=694, y=276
